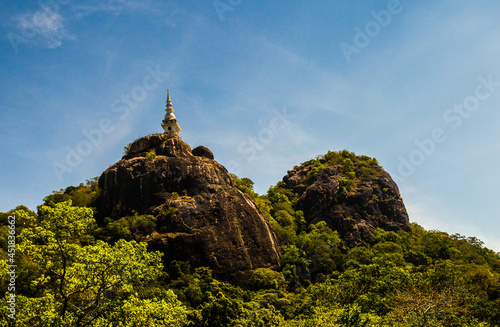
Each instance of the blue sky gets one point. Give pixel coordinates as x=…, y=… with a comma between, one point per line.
x=265, y=85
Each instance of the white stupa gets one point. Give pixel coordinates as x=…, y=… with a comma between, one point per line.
x=170, y=124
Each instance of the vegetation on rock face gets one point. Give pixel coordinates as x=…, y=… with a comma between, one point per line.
x=126, y=149
x=150, y=155
x=73, y=272
x=353, y=167
x=133, y=227
x=351, y=193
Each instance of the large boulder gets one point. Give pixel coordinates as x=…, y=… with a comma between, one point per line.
x=201, y=217
x=354, y=202
x=202, y=151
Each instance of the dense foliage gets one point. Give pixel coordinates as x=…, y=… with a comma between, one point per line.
x=68, y=278
x=73, y=272
x=83, y=195
x=352, y=167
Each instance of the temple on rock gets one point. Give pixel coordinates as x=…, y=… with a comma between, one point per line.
x=169, y=123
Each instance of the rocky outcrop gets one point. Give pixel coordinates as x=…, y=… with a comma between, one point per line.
x=201, y=217
x=354, y=207
x=202, y=151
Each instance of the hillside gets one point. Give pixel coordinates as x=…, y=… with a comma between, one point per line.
x=102, y=252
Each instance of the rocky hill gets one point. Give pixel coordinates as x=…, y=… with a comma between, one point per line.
x=201, y=217
x=353, y=194
x=186, y=205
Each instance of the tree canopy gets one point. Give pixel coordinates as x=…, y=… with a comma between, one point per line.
x=75, y=280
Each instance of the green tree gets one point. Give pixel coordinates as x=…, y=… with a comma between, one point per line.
x=265, y=278
x=83, y=195
x=129, y=227
x=86, y=283
x=322, y=247
x=245, y=185
x=134, y=311
x=220, y=311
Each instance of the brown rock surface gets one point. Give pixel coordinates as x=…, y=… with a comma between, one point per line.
x=202, y=151
x=201, y=217
x=354, y=212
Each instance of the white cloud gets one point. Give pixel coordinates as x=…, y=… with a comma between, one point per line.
x=44, y=28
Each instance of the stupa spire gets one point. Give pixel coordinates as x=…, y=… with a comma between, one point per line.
x=169, y=123
x=169, y=102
